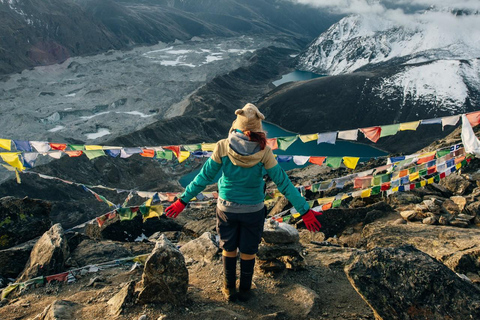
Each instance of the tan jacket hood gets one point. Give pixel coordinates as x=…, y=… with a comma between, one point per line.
x=223, y=149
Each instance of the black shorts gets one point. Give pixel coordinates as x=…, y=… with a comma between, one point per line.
x=240, y=230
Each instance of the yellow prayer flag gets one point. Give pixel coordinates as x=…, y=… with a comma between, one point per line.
x=345, y=196
x=430, y=181
x=325, y=200
x=458, y=165
x=12, y=159
x=414, y=176
x=423, y=183
x=395, y=189
x=141, y=259
x=427, y=154
x=409, y=125
x=366, y=193
x=154, y=212
x=350, y=162
x=6, y=144
x=208, y=146
x=183, y=156
x=18, y=177
x=309, y=137
x=296, y=215
x=91, y=147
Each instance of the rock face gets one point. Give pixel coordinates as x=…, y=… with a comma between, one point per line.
x=48, y=255
x=13, y=260
x=202, y=249
x=22, y=220
x=59, y=310
x=303, y=299
x=124, y=298
x=165, y=277
x=92, y=252
x=405, y=283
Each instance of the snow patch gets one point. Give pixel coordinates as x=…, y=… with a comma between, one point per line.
x=57, y=128
x=141, y=238
x=100, y=133
x=95, y=115
x=137, y=113
x=71, y=95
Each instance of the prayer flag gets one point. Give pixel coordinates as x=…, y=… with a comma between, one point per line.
x=62, y=277
x=409, y=126
x=284, y=158
x=29, y=159
x=300, y=160
x=75, y=153
x=22, y=145
x=414, y=176
x=175, y=149
x=366, y=193
x=127, y=213
x=348, y=134
x=375, y=190
x=372, y=133
x=192, y=147
x=385, y=186
x=55, y=154
x=389, y=130
x=285, y=142
x=92, y=154
x=76, y=147
x=362, y=182
x=168, y=155
x=426, y=159
x=40, y=146
x=327, y=206
x=153, y=212
x=432, y=170
x=317, y=160
x=12, y=159
x=473, y=118
x=350, y=162
x=148, y=153
x=442, y=153
x=334, y=162
x=183, y=156
x=328, y=137
x=113, y=152
x=309, y=137
x=6, y=144
x=272, y=143
x=58, y=146
x=337, y=203
x=432, y=121
x=93, y=147
x=470, y=140
x=449, y=121
x=423, y=183
x=208, y=146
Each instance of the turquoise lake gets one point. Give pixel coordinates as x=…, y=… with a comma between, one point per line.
x=298, y=148
x=297, y=75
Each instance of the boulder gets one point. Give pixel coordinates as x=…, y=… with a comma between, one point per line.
x=439, y=190
x=165, y=276
x=450, y=207
x=302, y=301
x=274, y=232
x=409, y=215
x=22, y=220
x=403, y=198
x=459, y=223
x=268, y=252
x=198, y=227
x=202, y=249
x=93, y=252
x=405, y=283
x=460, y=201
x=457, y=184
x=13, y=260
x=399, y=221
x=273, y=265
x=433, y=205
x=473, y=208
x=465, y=261
x=430, y=220
x=59, y=310
x=48, y=255
x=123, y=299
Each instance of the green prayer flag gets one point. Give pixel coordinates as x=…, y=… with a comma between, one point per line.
x=167, y=154
x=442, y=153
x=126, y=214
x=377, y=180
x=285, y=142
x=337, y=203
x=76, y=147
x=315, y=187
x=334, y=162
x=386, y=177
x=375, y=190
x=144, y=210
x=287, y=218
x=193, y=147
x=418, y=185
x=464, y=163
x=389, y=130
x=92, y=154
x=412, y=170
x=423, y=172
x=436, y=178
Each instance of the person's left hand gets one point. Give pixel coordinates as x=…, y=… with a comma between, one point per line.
x=311, y=221
x=175, y=208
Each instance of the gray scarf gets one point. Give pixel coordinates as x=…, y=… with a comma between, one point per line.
x=241, y=145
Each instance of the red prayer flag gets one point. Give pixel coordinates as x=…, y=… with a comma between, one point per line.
x=58, y=277
x=327, y=206
x=425, y=159
x=317, y=160
x=58, y=146
x=272, y=143
x=101, y=220
x=385, y=186
x=432, y=170
x=148, y=153
x=403, y=173
x=76, y=153
x=372, y=133
x=363, y=182
x=412, y=186
x=442, y=175
x=175, y=149
x=458, y=160
x=474, y=118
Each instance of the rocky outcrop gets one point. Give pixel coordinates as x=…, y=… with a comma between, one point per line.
x=123, y=299
x=59, y=310
x=405, y=283
x=92, y=252
x=48, y=255
x=165, y=277
x=13, y=260
x=22, y=220
x=202, y=249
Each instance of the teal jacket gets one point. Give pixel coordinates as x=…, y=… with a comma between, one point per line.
x=242, y=177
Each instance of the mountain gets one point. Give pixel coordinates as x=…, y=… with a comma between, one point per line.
x=40, y=32
x=382, y=71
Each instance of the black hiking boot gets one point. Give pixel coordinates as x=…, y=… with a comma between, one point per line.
x=230, y=294
x=245, y=295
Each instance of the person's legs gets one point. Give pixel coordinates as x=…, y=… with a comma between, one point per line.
x=230, y=274
x=247, y=264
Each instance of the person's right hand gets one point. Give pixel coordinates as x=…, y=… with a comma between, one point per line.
x=175, y=208
x=311, y=221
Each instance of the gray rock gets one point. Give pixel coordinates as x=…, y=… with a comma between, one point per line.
x=409, y=215
x=465, y=217
x=430, y=220
x=433, y=205
x=282, y=233
x=403, y=198
x=273, y=265
x=13, y=260
x=22, y=220
x=450, y=207
x=165, y=277
x=460, y=201
x=92, y=252
x=48, y=255
x=397, y=283
x=399, y=221
x=268, y=251
x=464, y=261
x=198, y=227
x=204, y=248
x=443, y=221
x=473, y=208
x=59, y=310
x=302, y=300
x=123, y=299
x=457, y=184
x=459, y=223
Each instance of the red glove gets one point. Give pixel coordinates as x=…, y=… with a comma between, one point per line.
x=175, y=208
x=311, y=221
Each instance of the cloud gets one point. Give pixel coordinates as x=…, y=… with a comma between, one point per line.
x=381, y=6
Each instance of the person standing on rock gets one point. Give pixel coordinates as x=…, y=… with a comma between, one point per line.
x=244, y=158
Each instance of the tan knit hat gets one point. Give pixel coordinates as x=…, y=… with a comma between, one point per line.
x=248, y=119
